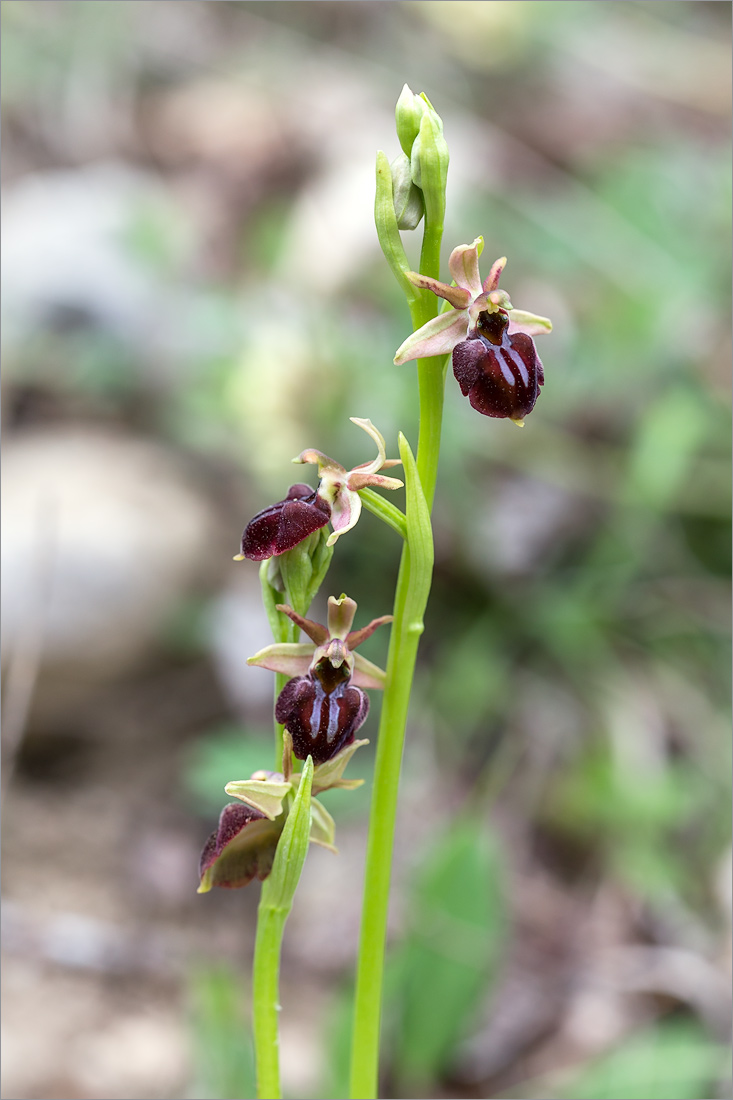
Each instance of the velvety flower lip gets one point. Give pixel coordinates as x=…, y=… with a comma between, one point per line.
x=321, y=713
x=500, y=372
x=494, y=381
x=284, y=524
x=240, y=849
x=323, y=705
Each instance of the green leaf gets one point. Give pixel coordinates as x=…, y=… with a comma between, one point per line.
x=452, y=950
x=674, y=1061
x=221, y=754
x=223, y=1060
x=669, y=436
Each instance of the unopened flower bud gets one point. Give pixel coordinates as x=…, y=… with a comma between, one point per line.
x=408, y=113
x=429, y=164
x=409, y=206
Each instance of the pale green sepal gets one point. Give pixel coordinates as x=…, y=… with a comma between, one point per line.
x=266, y=795
x=330, y=774
x=290, y=658
x=381, y=460
x=437, y=337
x=530, y=323
x=323, y=827
x=279, y=889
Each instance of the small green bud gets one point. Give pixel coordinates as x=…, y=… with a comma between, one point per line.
x=408, y=113
x=429, y=165
x=408, y=201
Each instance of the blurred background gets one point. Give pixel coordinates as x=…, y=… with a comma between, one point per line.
x=193, y=294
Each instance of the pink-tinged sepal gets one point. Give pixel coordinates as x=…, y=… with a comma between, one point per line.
x=367, y=675
x=345, y=513
x=491, y=281
x=312, y=457
x=436, y=337
x=341, y=614
x=290, y=658
x=356, y=637
x=284, y=524
x=458, y=296
x=463, y=266
x=315, y=631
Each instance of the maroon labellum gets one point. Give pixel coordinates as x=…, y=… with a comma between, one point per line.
x=322, y=711
x=242, y=848
x=283, y=525
x=500, y=372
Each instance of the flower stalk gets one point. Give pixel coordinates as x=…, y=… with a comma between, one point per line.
x=413, y=589
x=276, y=901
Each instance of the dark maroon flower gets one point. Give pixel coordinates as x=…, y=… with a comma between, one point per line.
x=500, y=372
x=283, y=525
x=242, y=848
x=494, y=357
x=323, y=705
x=322, y=711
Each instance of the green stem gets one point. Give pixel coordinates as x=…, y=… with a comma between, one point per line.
x=265, y=996
x=276, y=901
x=404, y=641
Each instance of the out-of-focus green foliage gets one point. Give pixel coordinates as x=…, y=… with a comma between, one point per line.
x=222, y=1056
x=455, y=939
x=674, y=1061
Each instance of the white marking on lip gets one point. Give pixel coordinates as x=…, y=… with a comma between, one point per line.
x=505, y=370
x=517, y=358
x=320, y=701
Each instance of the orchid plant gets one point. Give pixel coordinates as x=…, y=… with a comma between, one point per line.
x=321, y=686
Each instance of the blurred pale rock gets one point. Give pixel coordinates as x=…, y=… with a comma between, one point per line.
x=74, y=246
x=239, y=628
x=102, y=536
